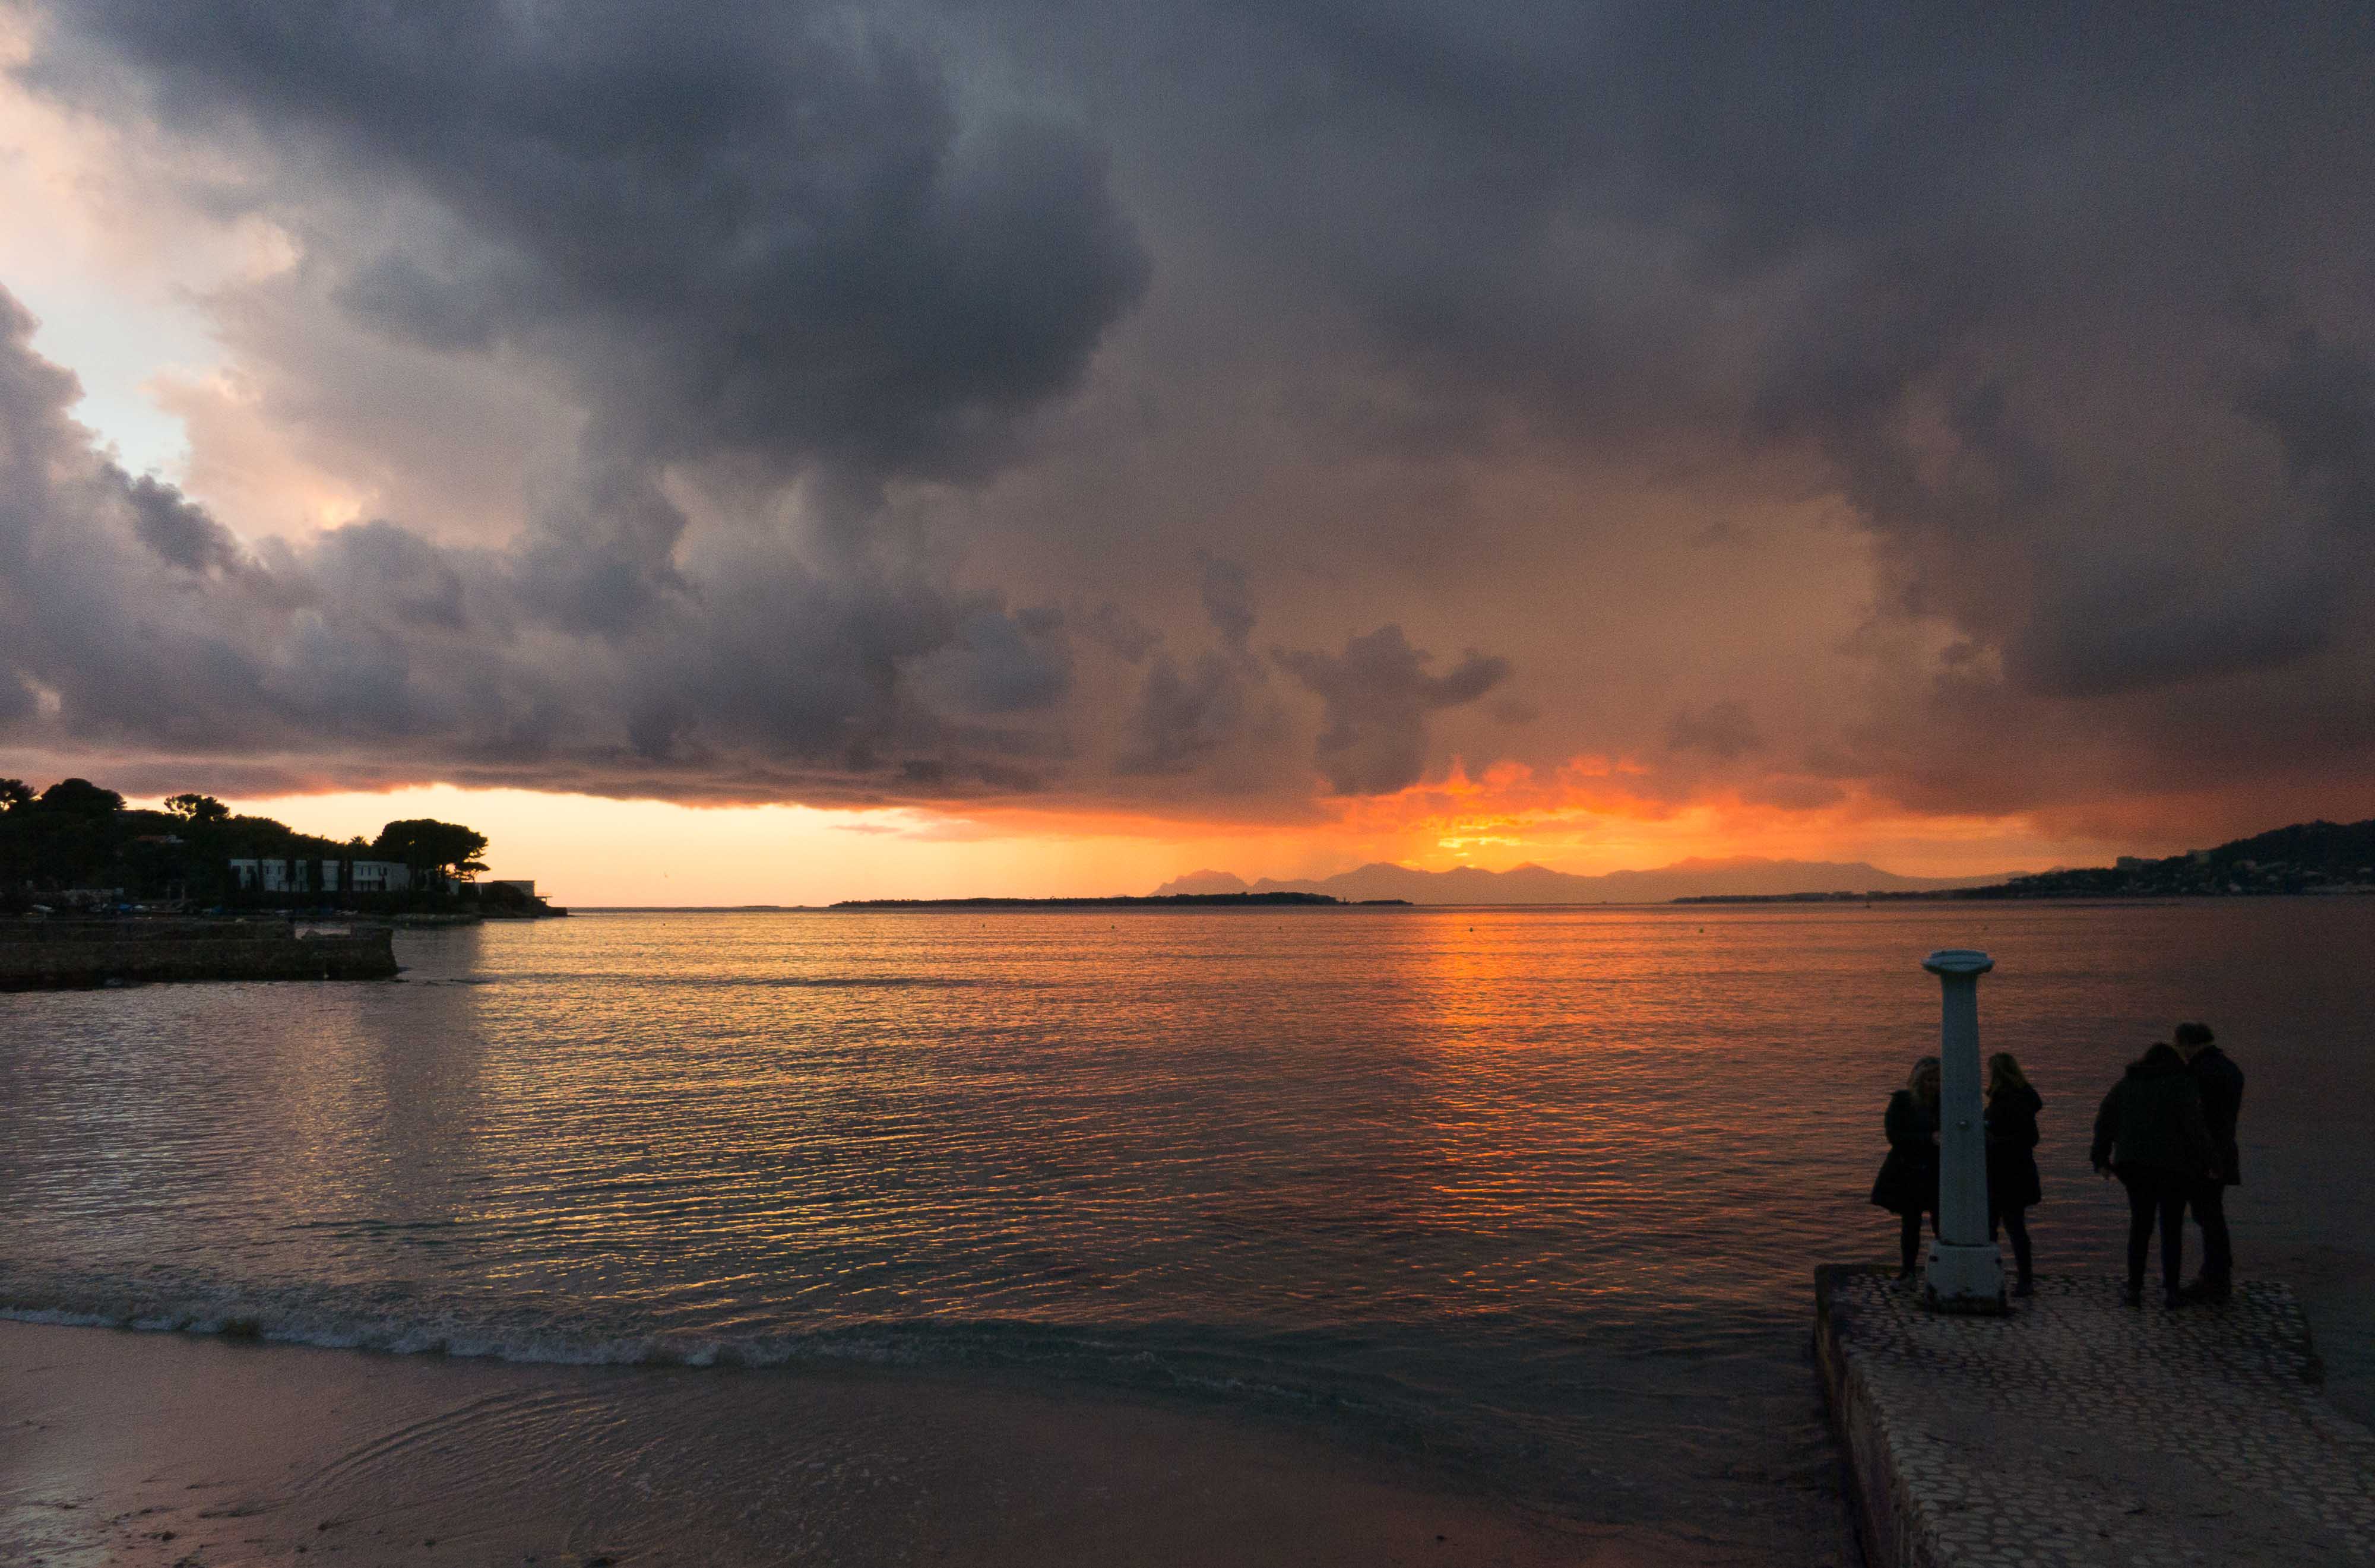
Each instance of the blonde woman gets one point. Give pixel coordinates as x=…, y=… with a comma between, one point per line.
x=1908, y=1184
x=2013, y=1186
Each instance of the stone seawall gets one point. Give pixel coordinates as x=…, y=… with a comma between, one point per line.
x=1878, y=1486
x=2079, y=1432
x=63, y=955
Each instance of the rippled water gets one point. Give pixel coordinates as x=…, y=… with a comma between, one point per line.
x=1534, y=1191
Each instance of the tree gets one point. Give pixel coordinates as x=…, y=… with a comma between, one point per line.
x=196, y=807
x=80, y=798
x=425, y=845
x=15, y=794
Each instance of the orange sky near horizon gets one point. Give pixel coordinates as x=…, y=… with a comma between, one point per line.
x=591, y=852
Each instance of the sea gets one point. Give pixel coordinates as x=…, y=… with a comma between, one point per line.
x=1532, y=1196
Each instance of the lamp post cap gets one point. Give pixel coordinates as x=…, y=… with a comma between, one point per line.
x=1958, y=960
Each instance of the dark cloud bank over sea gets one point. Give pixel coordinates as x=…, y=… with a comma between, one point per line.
x=1121, y=406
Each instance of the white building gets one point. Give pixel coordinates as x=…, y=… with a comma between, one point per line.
x=273, y=875
x=381, y=876
x=266, y=875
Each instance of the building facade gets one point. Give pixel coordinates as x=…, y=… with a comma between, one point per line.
x=381, y=876
x=267, y=875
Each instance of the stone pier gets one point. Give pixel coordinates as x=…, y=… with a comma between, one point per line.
x=74, y=954
x=2078, y=1431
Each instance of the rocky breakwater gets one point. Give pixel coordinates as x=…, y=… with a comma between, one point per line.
x=37, y=955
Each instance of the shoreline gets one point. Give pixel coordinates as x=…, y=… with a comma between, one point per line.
x=150, y=1449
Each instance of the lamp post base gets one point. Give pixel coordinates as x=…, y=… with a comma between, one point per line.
x=1964, y=1278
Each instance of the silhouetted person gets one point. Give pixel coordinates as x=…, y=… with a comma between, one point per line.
x=2221, y=1082
x=2151, y=1133
x=1908, y=1184
x=2013, y=1186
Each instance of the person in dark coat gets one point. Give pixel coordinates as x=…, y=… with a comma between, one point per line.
x=1908, y=1184
x=2221, y=1082
x=2150, y=1132
x=2013, y=1186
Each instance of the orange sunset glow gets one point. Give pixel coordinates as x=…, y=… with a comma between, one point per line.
x=651, y=853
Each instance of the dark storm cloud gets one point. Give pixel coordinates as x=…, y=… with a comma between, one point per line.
x=1118, y=632
x=373, y=655
x=1723, y=730
x=2319, y=402
x=738, y=228
x=998, y=662
x=1190, y=714
x=2073, y=317
x=1998, y=271
x=1376, y=695
x=16, y=700
x=1185, y=716
x=1228, y=599
x=770, y=243
x=182, y=534
x=738, y=234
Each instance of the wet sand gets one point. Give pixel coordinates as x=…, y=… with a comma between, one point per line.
x=143, y=1449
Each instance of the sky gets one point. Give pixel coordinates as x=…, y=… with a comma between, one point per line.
x=737, y=453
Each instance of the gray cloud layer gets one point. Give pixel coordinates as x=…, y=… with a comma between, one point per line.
x=883, y=336
x=1377, y=694
x=373, y=654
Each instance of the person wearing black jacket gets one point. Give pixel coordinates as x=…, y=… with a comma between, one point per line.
x=2151, y=1133
x=1908, y=1183
x=2013, y=1186
x=2221, y=1082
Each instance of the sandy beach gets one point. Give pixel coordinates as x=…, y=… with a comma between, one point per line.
x=129, y=1448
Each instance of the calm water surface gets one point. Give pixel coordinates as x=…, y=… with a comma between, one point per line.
x=1535, y=1192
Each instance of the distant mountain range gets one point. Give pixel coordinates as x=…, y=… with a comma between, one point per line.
x=1743, y=876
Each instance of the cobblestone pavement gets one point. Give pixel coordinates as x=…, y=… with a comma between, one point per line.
x=2079, y=1430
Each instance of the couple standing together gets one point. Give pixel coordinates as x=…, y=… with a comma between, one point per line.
x=2167, y=1130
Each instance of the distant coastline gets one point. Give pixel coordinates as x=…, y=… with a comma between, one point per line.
x=1475, y=886
x=2308, y=858
x=2317, y=859
x=1158, y=901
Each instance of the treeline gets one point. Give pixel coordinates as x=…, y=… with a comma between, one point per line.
x=76, y=836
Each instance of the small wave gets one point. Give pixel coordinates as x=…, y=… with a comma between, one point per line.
x=1290, y=1371
x=554, y=1344
x=1175, y=1361
x=1181, y=1356
x=1467, y=1417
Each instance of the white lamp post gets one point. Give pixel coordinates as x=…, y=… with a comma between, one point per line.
x=1965, y=1272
